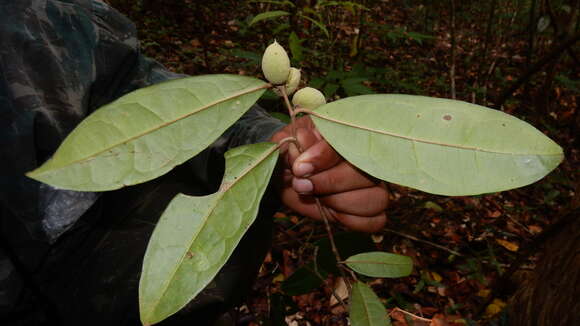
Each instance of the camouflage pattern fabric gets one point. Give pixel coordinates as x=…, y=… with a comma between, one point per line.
x=59, y=61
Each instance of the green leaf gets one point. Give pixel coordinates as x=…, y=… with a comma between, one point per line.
x=295, y=44
x=437, y=145
x=365, y=307
x=146, y=133
x=268, y=15
x=196, y=235
x=318, y=24
x=347, y=244
x=349, y=5
x=303, y=280
x=330, y=89
x=380, y=264
x=282, y=3
x=253, y=57
x=353, y=86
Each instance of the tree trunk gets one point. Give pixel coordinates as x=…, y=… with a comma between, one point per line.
x=551, y=296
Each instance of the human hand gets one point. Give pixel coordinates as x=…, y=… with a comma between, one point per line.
x=352, y=198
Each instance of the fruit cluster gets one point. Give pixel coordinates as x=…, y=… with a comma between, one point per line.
x=277, y=70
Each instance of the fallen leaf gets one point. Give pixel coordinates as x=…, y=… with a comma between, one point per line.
x=435, y=276
x=484, y=293
x=508, y=245
x=278, y=278
x=341, y=291
x=195, y=42
x=535, y=229
x=434, y=206
x=494, y=308
x=494, y=214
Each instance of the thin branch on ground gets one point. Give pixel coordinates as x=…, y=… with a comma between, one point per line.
x=408, y=236
x=397, y=309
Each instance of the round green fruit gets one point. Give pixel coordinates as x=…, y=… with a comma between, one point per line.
x=308, y=98
x=293, y=81
x=276, y=64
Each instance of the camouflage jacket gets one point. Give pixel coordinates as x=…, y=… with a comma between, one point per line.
x=59, y=61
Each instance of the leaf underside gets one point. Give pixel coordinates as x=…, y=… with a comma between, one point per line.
x=439, y=146
x=196, y=235
x=380, y=264
x=146, y=133
x=365, y=307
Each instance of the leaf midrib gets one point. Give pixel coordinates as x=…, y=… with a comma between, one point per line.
x=416, y=139
x=217, y=199
x=365, y=305
x=151, y=130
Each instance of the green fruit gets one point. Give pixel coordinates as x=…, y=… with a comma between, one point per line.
x=293, y=80
x=308, y=98
x=276, y=64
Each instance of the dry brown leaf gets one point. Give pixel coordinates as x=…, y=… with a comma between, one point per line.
x=341, y=291
x=511, y=246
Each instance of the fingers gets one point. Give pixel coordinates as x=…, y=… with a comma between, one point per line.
x=368, y=224
x=342, y=177
x=348, y=195
x=307, y=137
x=286, y=131
x=317, y=157
x=366, y=202
x=313, y=156
x=304, y=205
x=362, y=210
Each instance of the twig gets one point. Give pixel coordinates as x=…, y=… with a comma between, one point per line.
x=408, y=236
x=321, y=209
x=553, y=55
x=341, y=268
x=397, y=309
x=317, y=273
x=291, y=113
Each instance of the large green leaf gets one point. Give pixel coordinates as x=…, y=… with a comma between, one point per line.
x=146, y=133
x=380, y=264
x=437, y=145
x=196, y=235
x=365, y=307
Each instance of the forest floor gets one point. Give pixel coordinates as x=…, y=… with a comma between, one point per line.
x=460, y=246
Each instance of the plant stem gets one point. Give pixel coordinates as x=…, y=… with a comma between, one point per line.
x=321, y=209
x=289, y=106
x=287, y=140
x=317, y=273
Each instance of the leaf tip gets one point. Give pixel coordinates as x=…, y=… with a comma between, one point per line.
x=34, y=174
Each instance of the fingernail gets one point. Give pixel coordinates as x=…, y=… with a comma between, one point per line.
x=302, y=186
x=303, y=169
